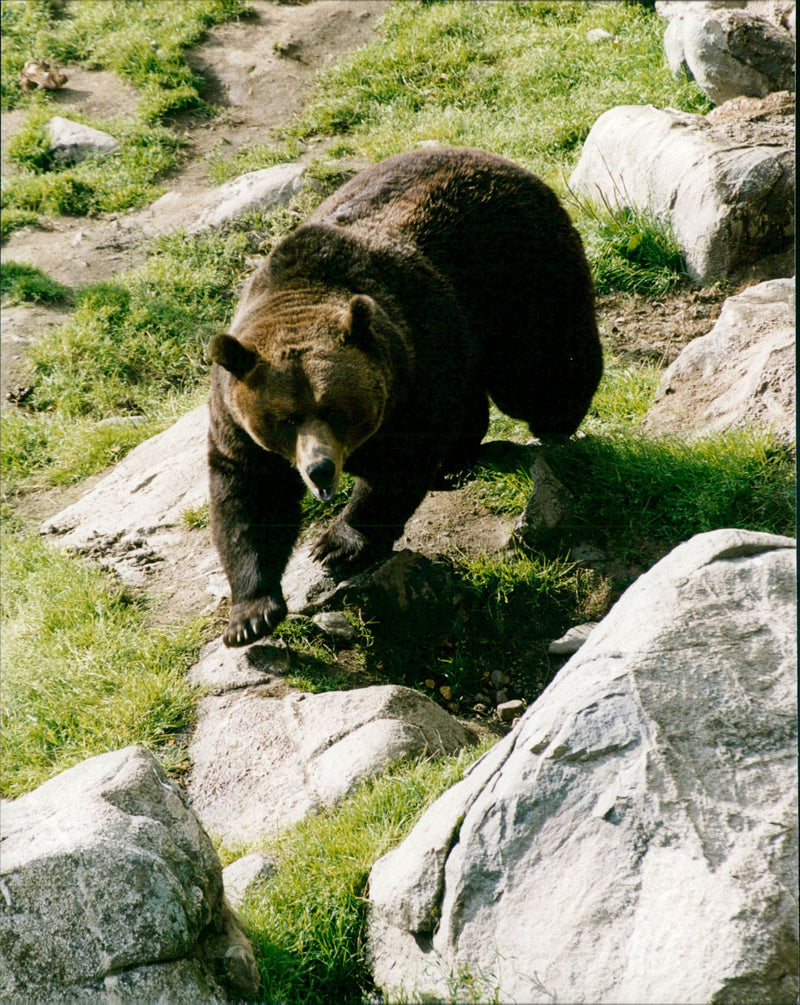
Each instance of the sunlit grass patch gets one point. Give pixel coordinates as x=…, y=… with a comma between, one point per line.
x=520, y=79
x=634, y=491
x=308, y=923
x=83, y=670
x=22, y=283
x=141, y=336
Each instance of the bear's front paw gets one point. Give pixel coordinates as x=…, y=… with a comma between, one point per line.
x=340, y=547
x=251, y=620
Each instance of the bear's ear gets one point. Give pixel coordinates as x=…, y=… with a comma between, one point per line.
x=358, y=326
x=230, y=353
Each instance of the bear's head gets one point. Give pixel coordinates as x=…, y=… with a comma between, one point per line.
x=306, y=378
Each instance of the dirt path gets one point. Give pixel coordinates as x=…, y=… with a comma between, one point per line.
x=258, y=73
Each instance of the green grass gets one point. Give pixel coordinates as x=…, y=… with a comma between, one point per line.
x=50, y=450
x=83, y=670
x=142, y=43
x=21, y=283
x=307, y=924
x=520, y=79
x=636, y=494
x=136, y=338
x=632, y=251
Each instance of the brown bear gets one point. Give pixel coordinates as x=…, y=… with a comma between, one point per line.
x=371, y=340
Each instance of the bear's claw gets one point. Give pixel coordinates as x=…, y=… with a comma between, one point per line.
x=340, y=545
x=252, y=620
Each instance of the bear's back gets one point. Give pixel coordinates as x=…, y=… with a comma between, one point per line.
x=491, y=227
x=427, y=195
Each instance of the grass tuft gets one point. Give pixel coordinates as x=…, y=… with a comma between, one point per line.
x=636, y=493
x=307, y=923
x=21, y=283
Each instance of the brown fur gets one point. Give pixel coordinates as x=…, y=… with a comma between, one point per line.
x=369, y=341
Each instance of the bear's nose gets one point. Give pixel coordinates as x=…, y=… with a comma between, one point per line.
x=322, y=473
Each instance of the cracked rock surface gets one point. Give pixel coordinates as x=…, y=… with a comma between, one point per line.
x=643, y=805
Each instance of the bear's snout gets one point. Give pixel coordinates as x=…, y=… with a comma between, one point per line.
x=322, y=474
x=319, y=458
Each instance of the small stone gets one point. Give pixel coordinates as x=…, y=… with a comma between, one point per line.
x=262, y=190
x=601, y=35
x=550, y=504
x=571, y=641
x=509, y=710
x=71, y=142
x=588, y=553
x=501, y=697
x=241, y=876
x=497, y=677
x=335, y=624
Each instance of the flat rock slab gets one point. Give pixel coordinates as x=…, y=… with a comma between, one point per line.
x=112, y=891
x=634, y=838
x=741, y=374
x=257, y=190
x=724, y=182
x=260, y=762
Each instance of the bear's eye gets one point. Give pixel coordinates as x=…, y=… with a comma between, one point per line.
x=290, y=422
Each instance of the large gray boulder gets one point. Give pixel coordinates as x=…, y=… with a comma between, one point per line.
x=112, y=891
x=724, y=182
x=730, y=51
x=261, y=762
x=634, y=838
x=741, y=374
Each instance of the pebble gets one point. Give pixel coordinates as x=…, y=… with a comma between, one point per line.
x=509, y=710
x=335, y=624
x=571, y=641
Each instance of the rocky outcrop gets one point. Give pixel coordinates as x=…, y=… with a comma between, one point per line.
x=112, y=891
x=634, y=838
x=128, y=519
x=723, y=182
x=729, y=52
x=741, y=374
x=261, y=762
